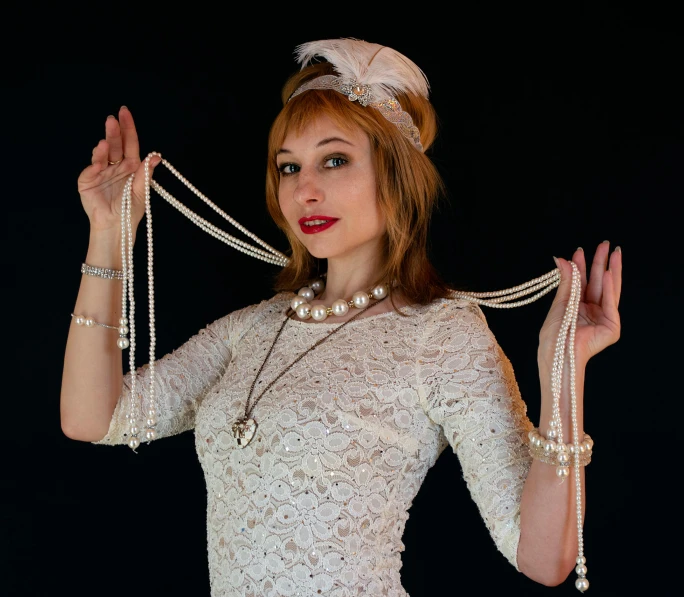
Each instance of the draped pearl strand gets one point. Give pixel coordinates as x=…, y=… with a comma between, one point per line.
x=501, y=299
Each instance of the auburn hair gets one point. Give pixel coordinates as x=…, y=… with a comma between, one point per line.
x=408, y=185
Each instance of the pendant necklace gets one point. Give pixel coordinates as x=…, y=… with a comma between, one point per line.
x=245, y=428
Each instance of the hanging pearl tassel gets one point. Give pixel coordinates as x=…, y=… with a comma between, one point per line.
x=565, y=345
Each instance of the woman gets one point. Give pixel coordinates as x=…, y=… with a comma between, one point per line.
x=318, y=414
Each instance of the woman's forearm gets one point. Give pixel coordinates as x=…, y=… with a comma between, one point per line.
x=548, y=512
x=93, y=372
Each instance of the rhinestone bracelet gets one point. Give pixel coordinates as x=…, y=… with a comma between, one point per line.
x=102, y=272
x=560, y=454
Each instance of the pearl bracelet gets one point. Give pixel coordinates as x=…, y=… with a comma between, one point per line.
x=122, y=328
x=562, y=455
x=102, y=272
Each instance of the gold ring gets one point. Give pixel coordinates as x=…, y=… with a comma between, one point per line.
x=114, y=163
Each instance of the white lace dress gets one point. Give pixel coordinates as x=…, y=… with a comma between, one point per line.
x=317, y=502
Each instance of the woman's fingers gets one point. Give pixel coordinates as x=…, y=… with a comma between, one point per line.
x=98, y=162
x=580, y=261
x=129, y=135
x=113, y=137
x=615, y=267
x=598, y=267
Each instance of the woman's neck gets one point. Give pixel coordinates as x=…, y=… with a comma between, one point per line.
x=344, y=279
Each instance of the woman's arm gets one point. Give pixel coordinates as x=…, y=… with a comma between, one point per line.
x=93, y=371
x=548, y=546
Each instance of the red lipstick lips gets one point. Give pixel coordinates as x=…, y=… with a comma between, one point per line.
x=314, y=228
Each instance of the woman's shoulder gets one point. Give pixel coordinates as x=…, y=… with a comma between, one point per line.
x=266, y=308
x=247, y=317
x=451, y=307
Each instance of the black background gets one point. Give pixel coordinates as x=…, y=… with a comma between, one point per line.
x=559, y=128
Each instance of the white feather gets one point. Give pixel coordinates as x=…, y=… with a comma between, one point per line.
x=385, y=70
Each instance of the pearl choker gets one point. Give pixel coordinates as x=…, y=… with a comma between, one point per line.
x=360, y=300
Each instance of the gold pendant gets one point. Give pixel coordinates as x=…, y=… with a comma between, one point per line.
x=243, y=431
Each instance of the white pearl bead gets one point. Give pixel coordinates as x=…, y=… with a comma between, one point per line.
x=123, y=330
x=150, y=434
x=581, y=570
x=317, y=286
x=304, y=311
x=360, y=299
x=134, y=430
x=581, y=560
x=562, y=472
x=307, y=293
x=549, y=446
x=133, y=443
x=379, y=292
x=300, y=300
x=151, y=421
x=582, y=584
x=123, y=321
x=340, y=307
x=79, y=319
x=319, y=312
x=123, y=343
x=89, y=322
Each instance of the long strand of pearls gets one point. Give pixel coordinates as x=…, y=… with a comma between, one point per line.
x=127, y=260
x=498, y=298
x=150, y=417
x=270, y=255
x=565, y=345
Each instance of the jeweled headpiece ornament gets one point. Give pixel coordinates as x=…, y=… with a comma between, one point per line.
x=371, y=74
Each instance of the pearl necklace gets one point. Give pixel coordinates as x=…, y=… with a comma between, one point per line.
x=361, y=300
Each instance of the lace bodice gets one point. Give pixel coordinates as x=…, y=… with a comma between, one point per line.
x=318, y=501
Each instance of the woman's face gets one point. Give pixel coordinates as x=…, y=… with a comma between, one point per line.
x=327, y=191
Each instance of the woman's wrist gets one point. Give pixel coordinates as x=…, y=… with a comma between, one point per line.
x=104, y=249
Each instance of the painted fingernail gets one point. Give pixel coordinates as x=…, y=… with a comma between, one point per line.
x=110, y=116
x=580, y=249
x=606, y=241
x=556, y=260
x=124, y=107
x=618, y=249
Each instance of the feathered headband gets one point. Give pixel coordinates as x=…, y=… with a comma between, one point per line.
x=370, y=74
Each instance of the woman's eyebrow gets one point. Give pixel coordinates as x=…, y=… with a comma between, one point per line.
x=321, y=143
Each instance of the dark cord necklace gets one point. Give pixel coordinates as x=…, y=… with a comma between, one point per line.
x=244, y=429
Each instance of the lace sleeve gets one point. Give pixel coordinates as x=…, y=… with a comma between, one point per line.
x=468, y=387
x=183, y=378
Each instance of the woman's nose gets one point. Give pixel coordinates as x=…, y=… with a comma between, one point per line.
x=308, y=189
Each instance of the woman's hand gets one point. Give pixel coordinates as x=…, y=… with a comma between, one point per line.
x=101, y=184
x=598, y=322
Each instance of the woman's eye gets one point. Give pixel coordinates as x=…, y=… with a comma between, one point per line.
x=335, y=162
x=286, y=169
